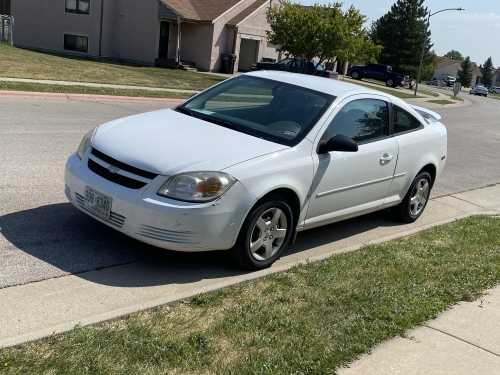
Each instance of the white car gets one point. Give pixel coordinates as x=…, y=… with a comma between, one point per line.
x=479, y=90
x=248, y=163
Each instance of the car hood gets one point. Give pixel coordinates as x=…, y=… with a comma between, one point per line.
x=167, y=142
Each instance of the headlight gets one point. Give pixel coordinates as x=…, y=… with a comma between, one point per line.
x=197, y=186
x=85, y=143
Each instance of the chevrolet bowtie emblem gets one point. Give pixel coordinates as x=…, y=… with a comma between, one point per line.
x=113, y=169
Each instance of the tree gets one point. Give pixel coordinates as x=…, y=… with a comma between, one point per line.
x=488, y=72
x=454, y=55
x=402, y=32
x=322, y=32
x=465, y=73
x=430, y=66
x=356, y=44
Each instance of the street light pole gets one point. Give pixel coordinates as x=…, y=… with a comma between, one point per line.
x=420, y=66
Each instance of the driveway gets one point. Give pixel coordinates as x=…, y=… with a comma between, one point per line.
x=43, y=237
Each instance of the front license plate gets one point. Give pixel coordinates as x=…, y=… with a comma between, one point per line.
x=97, y=203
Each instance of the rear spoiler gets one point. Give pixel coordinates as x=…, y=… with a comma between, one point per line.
x=428, y=114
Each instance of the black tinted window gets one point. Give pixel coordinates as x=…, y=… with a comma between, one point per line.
x=403, y=121
x=362, y=120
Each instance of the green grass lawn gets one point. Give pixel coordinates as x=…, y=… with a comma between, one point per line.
x=395, y=92
x=441, y=101
x=420, y=91
x=34, y=87
x=21, y=63
x=309, y=320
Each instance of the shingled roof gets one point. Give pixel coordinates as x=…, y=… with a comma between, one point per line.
x=246, y=12
x=200, y=10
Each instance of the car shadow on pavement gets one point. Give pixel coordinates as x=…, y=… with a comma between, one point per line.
x=56, y=240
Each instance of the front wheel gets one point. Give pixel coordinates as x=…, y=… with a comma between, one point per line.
x=415, y=201
x=265, y=235
x=356, y=75
x=390, y=83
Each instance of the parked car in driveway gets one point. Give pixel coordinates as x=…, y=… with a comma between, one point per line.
x=247, y=164
x=449, y=81
x=379, y=72
x=479, y=90
x=295, y=66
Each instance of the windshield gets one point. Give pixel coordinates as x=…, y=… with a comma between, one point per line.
x=272, y=110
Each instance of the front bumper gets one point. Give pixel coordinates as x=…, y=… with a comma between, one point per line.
x=159, y=221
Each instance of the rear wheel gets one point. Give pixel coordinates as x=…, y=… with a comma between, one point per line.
x=415, y=201
x=356, y=75
x=265, y=235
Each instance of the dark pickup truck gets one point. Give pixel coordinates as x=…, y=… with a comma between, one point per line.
x=295, y=66
x=379, y=72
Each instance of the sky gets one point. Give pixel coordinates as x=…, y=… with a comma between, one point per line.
x=475, y=32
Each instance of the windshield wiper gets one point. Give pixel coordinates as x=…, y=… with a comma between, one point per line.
x=186, y=111
x=206, y=117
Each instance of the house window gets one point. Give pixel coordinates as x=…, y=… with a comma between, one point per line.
x=76, y=43
x=78, y=6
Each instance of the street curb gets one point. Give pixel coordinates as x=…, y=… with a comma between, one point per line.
x=84, y=97
x=120, y=313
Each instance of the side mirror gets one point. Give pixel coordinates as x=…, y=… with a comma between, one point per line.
x=338, y=143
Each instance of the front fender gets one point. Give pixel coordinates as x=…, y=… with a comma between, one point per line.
x=290, y=169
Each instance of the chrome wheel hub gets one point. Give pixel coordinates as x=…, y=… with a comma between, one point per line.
x=268, y=234
x=419, y=197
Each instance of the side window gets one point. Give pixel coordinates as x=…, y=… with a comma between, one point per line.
x=403, y=121
x=363, y=120
x=78, y=6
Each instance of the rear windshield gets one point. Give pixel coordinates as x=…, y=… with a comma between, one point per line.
x=268, y=109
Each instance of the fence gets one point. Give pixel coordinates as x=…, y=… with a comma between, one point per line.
x=6, y=26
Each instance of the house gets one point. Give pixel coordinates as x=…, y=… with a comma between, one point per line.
x=162, y=32
x=450, y=67
x=496, y=79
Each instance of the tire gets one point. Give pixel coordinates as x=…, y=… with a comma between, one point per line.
x=356, y=75
x=390, y=83
x=417, y=197
x=257, y=228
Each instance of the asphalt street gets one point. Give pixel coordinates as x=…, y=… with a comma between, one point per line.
x=42, y=236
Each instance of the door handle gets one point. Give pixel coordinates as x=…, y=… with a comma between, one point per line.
x=386, y=158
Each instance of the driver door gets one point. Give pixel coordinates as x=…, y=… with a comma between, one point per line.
x=347, y=184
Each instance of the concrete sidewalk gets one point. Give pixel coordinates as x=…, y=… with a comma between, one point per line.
x=462, y=341
x=40, y=309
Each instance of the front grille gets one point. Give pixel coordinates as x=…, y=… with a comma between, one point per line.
x=134, y=178
x=161, y=234
x=108, y=159
x=115, y=219
x=114, y=177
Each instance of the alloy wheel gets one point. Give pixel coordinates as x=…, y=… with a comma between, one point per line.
x=268, y=234
x=419, y=197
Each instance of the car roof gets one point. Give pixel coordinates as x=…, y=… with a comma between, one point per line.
x=326, y=85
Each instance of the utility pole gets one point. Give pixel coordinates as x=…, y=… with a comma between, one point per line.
x=420, y=66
